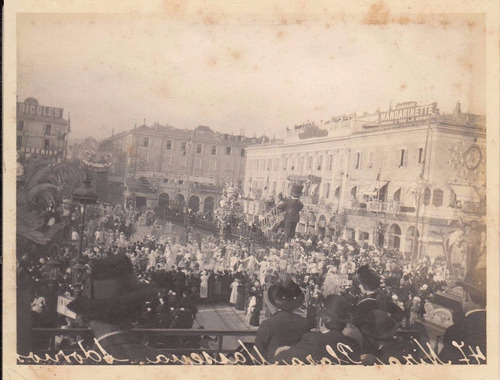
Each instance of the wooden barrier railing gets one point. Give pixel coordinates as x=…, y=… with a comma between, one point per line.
x=87, y=333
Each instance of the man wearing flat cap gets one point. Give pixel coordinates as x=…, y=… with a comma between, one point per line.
x=470, y=331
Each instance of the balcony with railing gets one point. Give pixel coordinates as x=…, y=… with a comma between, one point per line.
x=206, y=187
x=379, y=206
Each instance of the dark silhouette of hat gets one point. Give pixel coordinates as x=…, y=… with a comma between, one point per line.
x=335, y=308
x=377, y=324
x=297, y=190
x=474, y=283
x=113, y=290
x=287, y=296
x=368, y=277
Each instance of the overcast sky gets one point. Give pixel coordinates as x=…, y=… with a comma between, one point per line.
x=112, y=71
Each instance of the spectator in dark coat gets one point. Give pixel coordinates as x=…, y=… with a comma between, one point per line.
x=285, y=328
x=332, y=318
x=470, y=330
x=379, y=339
x=179, y=282
x=369, y=282
x=112, y=298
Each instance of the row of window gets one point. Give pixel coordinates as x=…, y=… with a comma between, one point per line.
x=198, y=163
x=185, y=145
x=259, y=185
x=273, y=164
x=316, y=163
x=400, y=158
x=435, y=195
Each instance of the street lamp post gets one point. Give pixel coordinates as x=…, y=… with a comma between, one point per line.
x=84, y=195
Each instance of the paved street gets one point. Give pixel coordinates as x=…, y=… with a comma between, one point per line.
x=224, y=317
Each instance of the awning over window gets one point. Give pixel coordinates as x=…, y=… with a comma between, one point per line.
x=373, y=188
x=381, y=185
x=466, y=193
x=366, y=189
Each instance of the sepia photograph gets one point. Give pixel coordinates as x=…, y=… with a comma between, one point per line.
x=237, y=187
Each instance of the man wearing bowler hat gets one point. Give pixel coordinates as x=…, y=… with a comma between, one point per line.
x=284, y=328
x=471, y=330
x=369, y=283
x=112, y=299
x=292, y=208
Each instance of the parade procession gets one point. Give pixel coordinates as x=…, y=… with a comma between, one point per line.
x=285, y=269
x=309, y=189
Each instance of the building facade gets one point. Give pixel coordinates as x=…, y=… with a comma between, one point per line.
x=41, y=130
x=167, y=166
x=380, y=177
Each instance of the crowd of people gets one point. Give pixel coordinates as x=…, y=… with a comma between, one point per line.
x=358, y=295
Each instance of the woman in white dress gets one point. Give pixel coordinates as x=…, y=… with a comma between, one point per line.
x=234, y=262
x=204, y=285
x=200, y=259
x=122, y=239
x=253, y=263
x=264, y=266
x=251, y=307
x=234, y=291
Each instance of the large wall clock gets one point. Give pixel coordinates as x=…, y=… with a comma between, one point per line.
x=473, y=157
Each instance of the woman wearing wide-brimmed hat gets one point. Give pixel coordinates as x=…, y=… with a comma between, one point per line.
x=112, y=299
x=286, y=327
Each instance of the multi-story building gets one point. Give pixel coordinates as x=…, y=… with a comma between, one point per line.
x=41, y=130
x=163, y=165
x=380, y=177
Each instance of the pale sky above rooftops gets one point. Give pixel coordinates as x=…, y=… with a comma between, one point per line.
x=114, y=71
